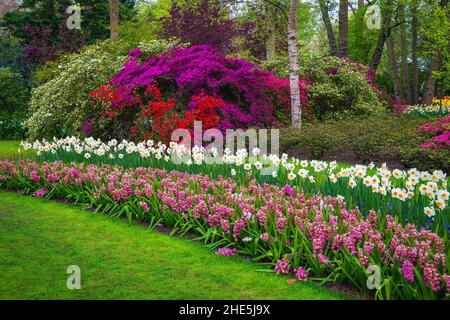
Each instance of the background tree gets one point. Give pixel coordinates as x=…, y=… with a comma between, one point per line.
x=414, y=50
x=361, y=39
x=393, y=64
x=387, y=11
x=343, y=27
x=436, y=46
x=406, y=87
x=294, y=66
x=271, y=31
x=40, y=26
x=324, y=9
x=114, y=19
x=201, y=22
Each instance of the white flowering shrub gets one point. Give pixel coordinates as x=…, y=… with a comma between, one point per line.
x=60, y=106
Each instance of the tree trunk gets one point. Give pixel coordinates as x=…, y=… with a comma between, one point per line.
x=343, y=27
x=393, y=63
x=404, y=53
x=328, y=26
x=114, y=19
x=376, y=57
x=430, y=84
x=271, y=32
x=415, y=61
x=386, y=16
x=293, y=66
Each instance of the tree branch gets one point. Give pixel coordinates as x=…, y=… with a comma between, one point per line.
x=279, y=7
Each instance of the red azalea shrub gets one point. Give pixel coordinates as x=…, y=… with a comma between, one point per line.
x=205, y=110
x=439, y=131
x=143, y=114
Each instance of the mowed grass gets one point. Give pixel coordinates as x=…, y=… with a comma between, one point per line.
x=39, y=239
x=9, y=150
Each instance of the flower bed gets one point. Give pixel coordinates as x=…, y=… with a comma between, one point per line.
x=414, y=196
x=315, y=237
x=440, y=132
x=428, y=110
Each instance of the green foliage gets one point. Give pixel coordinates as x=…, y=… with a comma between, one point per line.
x=11, y=55
x=13, y=91
x=308, y=21
x=435, y=42
x=11, y=126
x=278, y=65
x=52, y=14
x=60, y=106
x=50, y=69
x=361, y=40
x=389, y=138
x=153, y=11
x=133, y=32
x=339, y=87
x=145, y=24
x=9, y=149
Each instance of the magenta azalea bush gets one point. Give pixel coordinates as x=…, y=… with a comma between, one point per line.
x=253, y=97
x=440, y=132
x=313, y=237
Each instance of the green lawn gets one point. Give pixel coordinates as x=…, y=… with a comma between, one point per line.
x=39, y=239
x=9, y=149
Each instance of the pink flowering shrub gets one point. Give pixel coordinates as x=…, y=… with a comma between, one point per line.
x=250, y=93
x=439, y=131
x=311, y=236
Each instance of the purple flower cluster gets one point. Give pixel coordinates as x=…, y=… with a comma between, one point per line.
x=282, y=266
x=301, y=274
x=40, y=193
x=226, y=252
x=408, y=271
x=246, y=89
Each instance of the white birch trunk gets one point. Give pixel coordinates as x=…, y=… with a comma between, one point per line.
x=293, y=66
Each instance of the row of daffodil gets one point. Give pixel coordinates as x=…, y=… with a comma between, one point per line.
x=419, y=197
x=428, y=110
